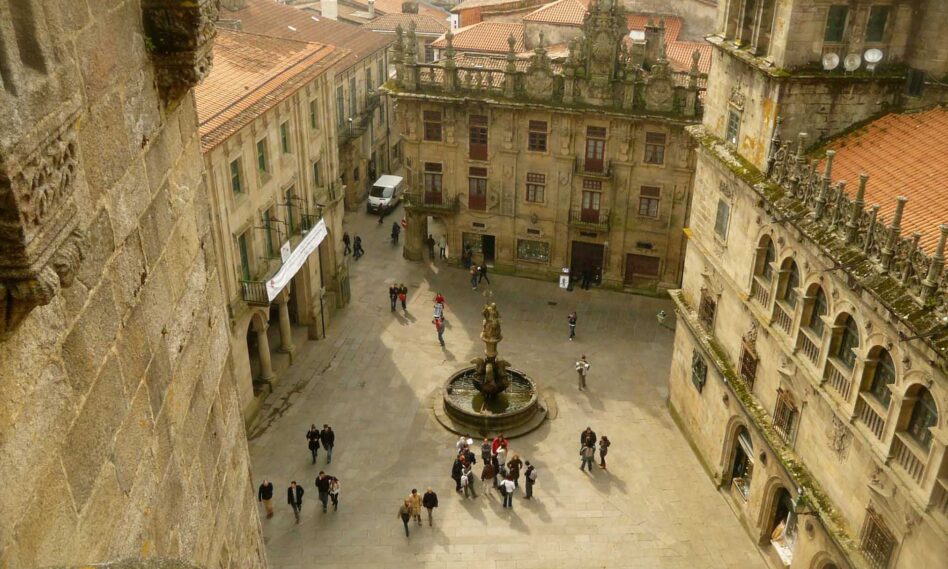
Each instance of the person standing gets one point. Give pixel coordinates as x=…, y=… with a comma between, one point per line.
x=294, y=496
x=587, y=438
x=322, y=486
x=393, y=295
x=414, y=500
x=499, y=442
x=488, y=476
x=508, y=490
x=482, y=273
x=403, y=296
x=430, y=242
x=443, y=245
x=473, y=277
x=328, y=438
x=603, y=449
x=530, y=478
x=347, y=242
x=396, y=229
x=312, y=435
x=439, y=327
x=486, y=451
x=587, y=454
x=265, y=495
x=405, y=514
x=587, y=278
x=466, y=258
x=430, y=502
x=582, y=368
x=456, y=470
x=513, y=468
x=467, y=480
x=572, y=325
x=334, y=492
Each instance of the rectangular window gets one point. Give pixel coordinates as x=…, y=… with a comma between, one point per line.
x=878, y=543
x=722, y=219
x=595, y=149
x=236, y=180
x=536, y=138
x=785, y=415
x=529, y=250
x=592, y=185
x=749, y=361
x=654, y=148
x=590, y=206
x=290, y=204
x=340, y=107
x=875, y=27
x=536, y=184
x=263, y=164
x=733, y=127
x=699, y=371
x=353, y=97
x=285, y=137
x=272, y=244
x=317, y=174
x=836, y=23
x=433, y=181
x=649, y=200
x=706, y=309
x=429, y=53
x=368, y=81
x=432, y=120
x=244, y=257
x=314, y=114
x=478, y=137
x=381, y=72
x=477, y=189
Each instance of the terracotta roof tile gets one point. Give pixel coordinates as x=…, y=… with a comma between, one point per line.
x=485, y=37
x=424, y=24
x=571, y=12
x=905, y=155
x=274, y=19
x=253, y=73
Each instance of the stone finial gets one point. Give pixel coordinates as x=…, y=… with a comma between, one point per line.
x=824, y=184
x=858, y=204
x=913, y=247
x=895, y=229
x=511, y=43
x=870, y=230
x=801, y=144
x=449, y=51
x=930, y=283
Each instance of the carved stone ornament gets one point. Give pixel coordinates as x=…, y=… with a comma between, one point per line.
x=539, y=84
x=839, y=438
x=181, y=39
x=736, y=97
x=40, y=240
x=660, y=94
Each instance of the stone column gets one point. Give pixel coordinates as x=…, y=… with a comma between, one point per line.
x=286, y=331
x=263, y=351
x=415, y=236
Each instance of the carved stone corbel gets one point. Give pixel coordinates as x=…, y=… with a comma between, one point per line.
x=180, y=37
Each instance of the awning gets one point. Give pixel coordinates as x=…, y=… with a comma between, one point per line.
x=296, y=259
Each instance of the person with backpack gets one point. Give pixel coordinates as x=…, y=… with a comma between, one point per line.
x=396, y=229
x=467, y=481
x=313, y=437
x=439, y=328
x=572, y=325
x=587, y=454
x=530, y=476
x=603, y=449
x=507, y=489
x=393, y=296
x=430, y=502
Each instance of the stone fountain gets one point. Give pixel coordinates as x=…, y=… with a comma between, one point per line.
x=490, y=397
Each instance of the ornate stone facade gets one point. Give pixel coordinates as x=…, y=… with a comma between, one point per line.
x=181, y=36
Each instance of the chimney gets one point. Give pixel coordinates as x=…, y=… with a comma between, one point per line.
x=234, y=4
x=330, y=9
x=371, y=9
x=410, y=7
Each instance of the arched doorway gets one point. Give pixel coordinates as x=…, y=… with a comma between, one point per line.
x=782, y=525
x=742, y=463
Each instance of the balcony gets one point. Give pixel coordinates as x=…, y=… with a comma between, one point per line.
x=435, y=203
x=839, y=377
x=589, y=219
x=871, y=413
x=254, y=292
x=809, y=346
x=909, y=456
x=940, y=497
x=760, y=291
x=783, y=316
x=593, y=168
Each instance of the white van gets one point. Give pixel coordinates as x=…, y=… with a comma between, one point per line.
x=385, y=194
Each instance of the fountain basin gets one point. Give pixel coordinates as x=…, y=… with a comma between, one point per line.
x=507, y=412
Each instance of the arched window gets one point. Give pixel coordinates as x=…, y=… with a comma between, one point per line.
x=815, y=321
x=742, y=468
x=786, y=303
x=848, y=341
x=790, y=287
x=924, y=417
x=770, y=255
x=882, y=377
x=763, y=271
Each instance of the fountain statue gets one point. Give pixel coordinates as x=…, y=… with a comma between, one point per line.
x=490, y=396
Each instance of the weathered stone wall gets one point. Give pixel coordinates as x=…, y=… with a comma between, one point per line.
x=698, y=16
x=120, y=429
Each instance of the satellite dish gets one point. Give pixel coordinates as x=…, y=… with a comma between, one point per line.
x=873, y=55
x=852, y=62
x=830, y=61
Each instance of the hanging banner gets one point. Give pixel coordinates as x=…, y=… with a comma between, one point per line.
x=292, y=264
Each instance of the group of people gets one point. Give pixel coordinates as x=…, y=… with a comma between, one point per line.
x=398, y=293
x=442, y=244
x=327, y=487
x=325, y=438
x=355, y=247
x=411, y=507
x=498, y=472
x=587, y=449
x=478, y=274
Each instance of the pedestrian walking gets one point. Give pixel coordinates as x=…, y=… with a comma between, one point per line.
x=488, y=476
x=414, y=500
x=430, y=502
x=265, y=495
x=513, y=468
x=357, y=250
x=328, y=437
x=393, y=295
x=530, y=478
x=312, y=436
x=439, y=327
x=396, y=229
x=582, y=368
x=587, y=438
x=403, y=296
x=486, y=451
x=430, y=242
x=586, y=455
x=334, y=492
x=404, y=513
x=572, y=325
x=482, y=273
x=439, y=310
x=456, y=470
x=508, y=491
x=347, y=242
x=322, y=486
x=603, y=449
x=443, y=246
x=473, y=278
x=294, y=496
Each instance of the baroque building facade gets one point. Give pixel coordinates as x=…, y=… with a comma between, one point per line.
x=120, y=425
x=535, y=165
x=809, y=361
x=268, y=139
